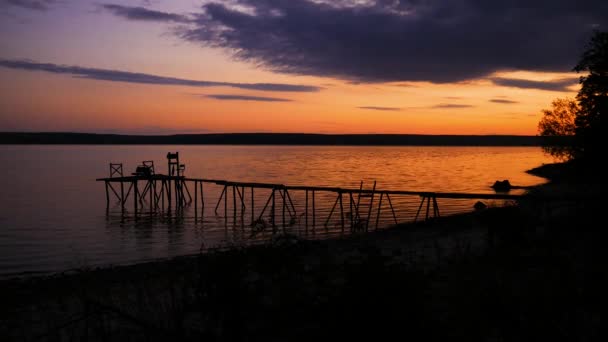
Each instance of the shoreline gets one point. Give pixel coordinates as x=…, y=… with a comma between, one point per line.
x=293, y=277
x=546, y=171
x=303, y=139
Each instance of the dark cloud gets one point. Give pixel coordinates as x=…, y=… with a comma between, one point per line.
x=37, y=5
x=561, y=84
x=131, y=77
x=503, y=101
x=144, y=14
x=452, y=105
x=380, y=108
x=231, y=97
x=400, y=40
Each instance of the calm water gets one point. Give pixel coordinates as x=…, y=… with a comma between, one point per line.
x=53, y=214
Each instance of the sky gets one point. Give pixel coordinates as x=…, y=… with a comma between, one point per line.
x=311, y=66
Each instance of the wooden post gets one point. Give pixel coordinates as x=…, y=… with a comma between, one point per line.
x=234, y=205
x=226, y=206
x=260, y=217
x=195, y=200
x=242, y=194
x=350, y=202
x=122, y=196
x=109, y=184
x=178, y=193
x=252, y=208
x=242, y=207
x=163, y=190
x=185, y=186
x=341, y=212
x=306, y=211
x=291, y=204
x=359, y=199
x=151, y=196
x=284, y=205
x=379, y=206
x=314, y=217
x=202, y=200
x=144, y=192
x=220, y=199
x=371, y=204
x=356, y=215
x=419, y=208
x=180, y=190
x=331, y=212
x=436, y=207
x=168, y=185
x=155, y=196
x=135, y=204
x=173, y=189
x=392, y=209
x=428, y=204
x=273, y=211
x=107, y=196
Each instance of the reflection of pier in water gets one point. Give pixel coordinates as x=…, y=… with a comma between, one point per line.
x=284, y=206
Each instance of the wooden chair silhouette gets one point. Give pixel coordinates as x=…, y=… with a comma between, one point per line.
x=175, y=168
x=146, y=169
x=173, y=164
x=149, y=164
x=115, y=170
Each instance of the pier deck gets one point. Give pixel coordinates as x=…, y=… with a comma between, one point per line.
x=356, y=207
x=164, y=191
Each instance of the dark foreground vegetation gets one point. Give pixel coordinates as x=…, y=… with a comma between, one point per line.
x=526, y=271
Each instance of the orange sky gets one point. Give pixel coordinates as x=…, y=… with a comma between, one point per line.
x=43, y=101
x=40, y=101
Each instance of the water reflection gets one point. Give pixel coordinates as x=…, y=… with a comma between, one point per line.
x=54, y=216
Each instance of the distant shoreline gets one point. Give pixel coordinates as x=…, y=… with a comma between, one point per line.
x=22, y=138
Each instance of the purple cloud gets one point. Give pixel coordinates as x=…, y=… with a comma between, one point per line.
x=132, y=77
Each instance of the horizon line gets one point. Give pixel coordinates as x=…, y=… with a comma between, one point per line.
x=267, y=133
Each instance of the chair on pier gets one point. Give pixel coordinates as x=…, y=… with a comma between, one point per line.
x=149, y=164
x=115, y=170
x=175, y=168
x=146, y=169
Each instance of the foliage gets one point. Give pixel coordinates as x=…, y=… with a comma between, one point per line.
x=557, y=123
x=580, y=121
x=593, y=96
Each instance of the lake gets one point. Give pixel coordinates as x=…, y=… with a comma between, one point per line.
x=53, y=212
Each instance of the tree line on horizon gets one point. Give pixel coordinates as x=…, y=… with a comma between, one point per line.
x=578, y=119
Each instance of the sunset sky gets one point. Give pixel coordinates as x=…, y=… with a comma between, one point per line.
x=315, y=66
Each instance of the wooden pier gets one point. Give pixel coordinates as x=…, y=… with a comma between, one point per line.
x=357, y=209
x=265, y=206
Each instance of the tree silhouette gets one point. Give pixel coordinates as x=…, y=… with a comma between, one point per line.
x=557, y=127
x=593, y=96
